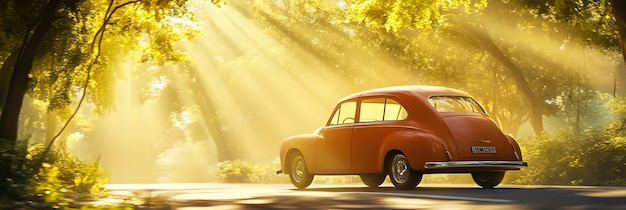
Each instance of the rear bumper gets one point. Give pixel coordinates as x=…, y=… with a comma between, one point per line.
x=508, y=165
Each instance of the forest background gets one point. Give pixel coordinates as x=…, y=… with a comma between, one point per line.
x=196, y=91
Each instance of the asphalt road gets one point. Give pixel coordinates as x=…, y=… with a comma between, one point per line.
x=356, y=196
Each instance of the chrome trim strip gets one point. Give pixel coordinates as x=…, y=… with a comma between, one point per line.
x=481, y=141
x=380, y=124
x=476, y=164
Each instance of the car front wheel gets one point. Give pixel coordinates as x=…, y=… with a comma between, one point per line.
x=488, y=179
x=401, y=174
x=373, y=180
x=299, y=175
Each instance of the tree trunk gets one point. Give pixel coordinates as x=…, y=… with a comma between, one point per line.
x=19, y=78
x=619, y=11
x=5, y=75
x=221, y=138
x=51, y=126
x=536, y=116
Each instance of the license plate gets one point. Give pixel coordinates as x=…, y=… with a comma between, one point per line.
x=482, y=149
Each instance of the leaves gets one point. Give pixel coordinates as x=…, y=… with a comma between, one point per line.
x=590, y=156
x=423, y=15
x=63, y=178
x=64, y=57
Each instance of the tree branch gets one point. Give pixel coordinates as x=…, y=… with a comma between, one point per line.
x=97, y=39
x=482, y=36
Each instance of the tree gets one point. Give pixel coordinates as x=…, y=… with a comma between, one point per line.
x=479, y=24
x=536, y=118
x=619, y=11
x=22, y=67
x=431, y=15
x=59, y=24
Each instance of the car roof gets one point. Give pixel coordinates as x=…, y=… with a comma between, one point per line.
x=421, y=91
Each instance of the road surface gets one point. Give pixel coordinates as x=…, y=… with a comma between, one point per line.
x=194, y=196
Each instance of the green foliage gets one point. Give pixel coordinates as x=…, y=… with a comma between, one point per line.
x=395, y=15
x=593, y=156
x=61, y=179
x=239, y=171
x=591, y=20
x=67, y=176
x=13, y=173
x=16, y=18
x=236, y=171
x=428, y=37
x=141, y=30
x=337, y=179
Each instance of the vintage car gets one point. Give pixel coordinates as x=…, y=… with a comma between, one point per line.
x=403, y=132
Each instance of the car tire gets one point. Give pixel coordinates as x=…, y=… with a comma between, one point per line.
x=401, y=174
x=373, y=180
x=488, y=179
x=298, y=173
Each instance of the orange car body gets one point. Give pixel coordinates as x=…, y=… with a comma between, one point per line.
x=438, y=129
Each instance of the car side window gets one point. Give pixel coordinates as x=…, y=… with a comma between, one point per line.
x=344, y=114
x=381, y=109
x=394, y=111
x=372, y=110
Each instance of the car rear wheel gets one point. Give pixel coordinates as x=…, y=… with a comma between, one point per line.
x=488, y=179
x=299, y=174
x=373, y=180
x=401, y=174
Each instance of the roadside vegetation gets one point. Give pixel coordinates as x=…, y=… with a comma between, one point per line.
x=56, y=181
x=590, y=155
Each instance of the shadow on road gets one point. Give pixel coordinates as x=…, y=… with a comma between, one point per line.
x=357, y=197
x=520, y=197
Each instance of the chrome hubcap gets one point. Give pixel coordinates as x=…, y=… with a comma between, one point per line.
x=298, y=169
x=400, y=169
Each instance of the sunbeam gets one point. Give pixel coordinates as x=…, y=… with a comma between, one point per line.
x=253, y=78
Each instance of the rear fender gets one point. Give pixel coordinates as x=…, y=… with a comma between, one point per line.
x=418, y=147
x=516, y=148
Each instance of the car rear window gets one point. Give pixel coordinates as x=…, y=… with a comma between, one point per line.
x=455, y=104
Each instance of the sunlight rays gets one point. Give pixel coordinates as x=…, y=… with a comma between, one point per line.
x=560, y=50
x=246, y=89
x=252, y=82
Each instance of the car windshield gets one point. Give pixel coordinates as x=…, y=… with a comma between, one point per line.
x=455, y=104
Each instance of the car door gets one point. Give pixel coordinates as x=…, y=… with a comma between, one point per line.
x=332, y=151
x=378, y=117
